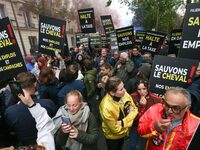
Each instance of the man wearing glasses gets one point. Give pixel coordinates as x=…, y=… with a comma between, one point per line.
x=169, y=125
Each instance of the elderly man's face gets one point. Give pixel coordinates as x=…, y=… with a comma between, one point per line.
x=122, y=59
x=175, y=105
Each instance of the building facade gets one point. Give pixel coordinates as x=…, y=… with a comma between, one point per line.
x=26, y=24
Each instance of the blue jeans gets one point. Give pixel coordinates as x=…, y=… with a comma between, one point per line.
x=135, y=139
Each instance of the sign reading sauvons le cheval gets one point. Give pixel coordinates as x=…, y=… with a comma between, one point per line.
x=125, y=38
x=51, y=35
x=168, y=71
x=87, y=20
x=11, y=60
x=190, y=43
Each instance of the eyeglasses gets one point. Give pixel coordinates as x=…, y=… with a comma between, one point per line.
x=175, y=109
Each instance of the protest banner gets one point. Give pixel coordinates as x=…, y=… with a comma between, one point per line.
x=125, y=38
x=78, y=37
x=11, y=60
x=190, y=44
x=139, y=36
x=107, y=25
x=87, y=20
x=152, y=41
x=113, y=42
x=51, y=35
x=85, y=40
x=175, y=41
x=65, y=51
x=104, y=41
x=168, y=71
x=95, y=40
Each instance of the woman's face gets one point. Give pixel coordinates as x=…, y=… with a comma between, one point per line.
x=142, y=90
x=120, y=90
x=80, y=57
x=73, y=104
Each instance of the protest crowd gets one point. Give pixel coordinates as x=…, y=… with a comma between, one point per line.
x=62, y=101
x=113, y=98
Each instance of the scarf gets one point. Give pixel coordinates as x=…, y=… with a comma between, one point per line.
x=79, y=120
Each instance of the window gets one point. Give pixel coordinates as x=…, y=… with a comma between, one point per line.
x=2, y=13
x=72, y=41
x=27, y=19
x=33, y=42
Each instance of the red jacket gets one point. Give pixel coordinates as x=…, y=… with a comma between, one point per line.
x=177, y=139
x=151, y=100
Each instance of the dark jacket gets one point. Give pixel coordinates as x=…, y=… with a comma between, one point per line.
x=67, y=87
x=50, y=91
x=19, y=119
x=194, y=90
x=88, y=139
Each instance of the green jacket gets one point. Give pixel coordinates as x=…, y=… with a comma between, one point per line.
x=90, y=81
x=124, y=71
x=88, y=138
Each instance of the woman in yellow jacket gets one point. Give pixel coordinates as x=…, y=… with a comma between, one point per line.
x=117, y=112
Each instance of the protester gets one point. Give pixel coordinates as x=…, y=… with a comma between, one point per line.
x=136, y=57
x=82, y=134
x=169, y=125
x=143, y=99
x=90, y=75
x=18, y=117
x=105, y=73
x=44, y=123
x=68, y=78
x=48, y=85
x=115, y=57
x=194, y=90
x=143, y=72
x=124, y=67
x=104, y=55
x=117, y=112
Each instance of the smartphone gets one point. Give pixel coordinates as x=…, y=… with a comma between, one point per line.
x=66, y=120
x=15, y=88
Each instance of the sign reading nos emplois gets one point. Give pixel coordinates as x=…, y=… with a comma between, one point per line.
x=125, y=38
x=51, y=35
x=11, y=60
x=190, y=44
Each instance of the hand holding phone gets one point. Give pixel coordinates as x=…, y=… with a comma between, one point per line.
x=66, y=120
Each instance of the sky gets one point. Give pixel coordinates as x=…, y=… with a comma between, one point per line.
x=125, y=14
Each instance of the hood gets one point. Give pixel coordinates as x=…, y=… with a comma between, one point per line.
x=92, y=72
